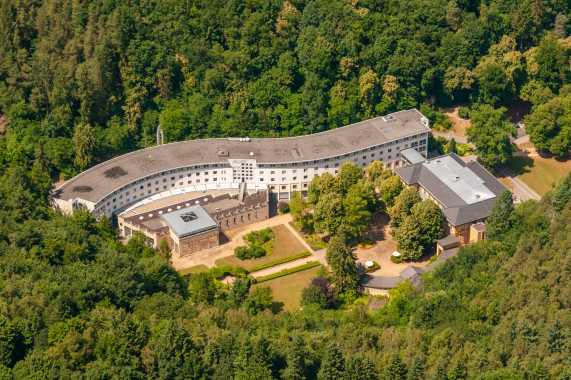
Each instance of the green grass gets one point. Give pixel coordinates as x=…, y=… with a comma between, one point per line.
x=280, y=261
x=314, y=241
x=195, y=269
x=287, y=289
x=538, y=172
x=311, y=264
x=286, y=244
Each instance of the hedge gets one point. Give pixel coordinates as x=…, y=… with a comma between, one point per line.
x=280, y=261
x=305, y=266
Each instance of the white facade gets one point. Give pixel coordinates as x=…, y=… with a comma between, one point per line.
x=281, y=178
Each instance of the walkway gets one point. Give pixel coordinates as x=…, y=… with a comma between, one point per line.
x=520, y=189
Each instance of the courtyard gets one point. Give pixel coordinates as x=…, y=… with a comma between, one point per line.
x=383, y=249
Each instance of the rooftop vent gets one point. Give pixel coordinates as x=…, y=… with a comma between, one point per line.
x=296, y=152
x=222, y=152
x=389, y=118
x=424, y=121
x=252, y=153
x=456, y=178
x=188, y=217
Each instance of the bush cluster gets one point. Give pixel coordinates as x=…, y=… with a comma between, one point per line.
x=283, y=207
x=464, y=112
x=260, y=243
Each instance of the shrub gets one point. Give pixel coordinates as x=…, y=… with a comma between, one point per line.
x=464, y=112
x=396, y=260
x=241, y=252
x=256, y=251
x=283, y=207
x=375, y=267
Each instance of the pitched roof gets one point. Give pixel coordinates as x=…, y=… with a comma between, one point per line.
x=380, y=282
x=448, y=241
x=189, y=221
x=466, y=191
x=410, y=271
x=445, y=255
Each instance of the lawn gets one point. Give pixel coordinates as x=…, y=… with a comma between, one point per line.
x=286, y=244
x=538, y=172
x=287, y=289
x=195, y=269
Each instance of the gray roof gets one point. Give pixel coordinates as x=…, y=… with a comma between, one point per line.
x=448, y=240
x=410, y=271
x=467, y=191
x=95, y=183
x=412, y=156
x=189, y=221
x=445, y=255
x=380, y=282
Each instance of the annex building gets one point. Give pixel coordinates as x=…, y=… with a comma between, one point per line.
x=466, y=193
x=280, y=165
x=193, y=224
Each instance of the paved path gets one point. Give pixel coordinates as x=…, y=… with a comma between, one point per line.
x=520, y=188
x=451, y=135
x=284, y=266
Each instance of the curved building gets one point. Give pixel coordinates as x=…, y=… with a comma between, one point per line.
x=282, y=165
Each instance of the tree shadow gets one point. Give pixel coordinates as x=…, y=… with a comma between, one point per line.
x=376, y=231
x=277, y=307
x=519, y=165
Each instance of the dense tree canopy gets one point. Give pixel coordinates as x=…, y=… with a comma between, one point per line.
x=91, y=80
x=85, y=81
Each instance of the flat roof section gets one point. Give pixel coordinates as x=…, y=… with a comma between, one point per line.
x=467, y=191
x=461, y=180
x=95, y=183
x=189, y=221
x=412, y=156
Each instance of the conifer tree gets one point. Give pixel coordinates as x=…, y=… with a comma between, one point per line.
x=458, y=371
x=332, y=364
x=501, y=218
x=395, y=369
x=296, y=366
x=416, y=370
x=341, y=260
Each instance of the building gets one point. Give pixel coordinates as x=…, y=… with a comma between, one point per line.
x=466, y=193
x=279, y=165
x=193, y=224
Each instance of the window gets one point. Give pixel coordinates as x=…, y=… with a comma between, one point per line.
x=272, y=180
x=283, y=187
x=261, y=180
x=172, y=178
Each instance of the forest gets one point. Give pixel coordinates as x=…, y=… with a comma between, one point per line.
x=75, y=302
x=83, y=81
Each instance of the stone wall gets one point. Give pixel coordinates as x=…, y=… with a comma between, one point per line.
x=194, y=243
